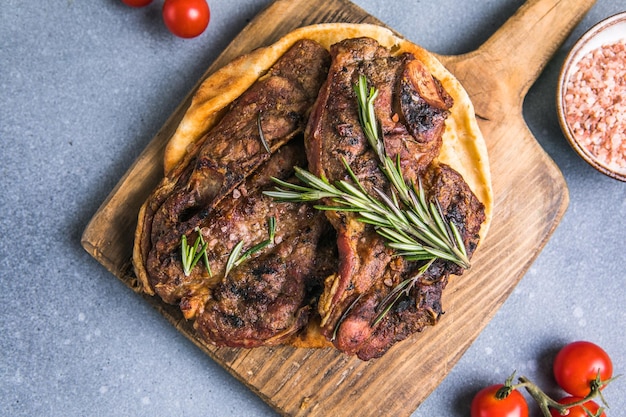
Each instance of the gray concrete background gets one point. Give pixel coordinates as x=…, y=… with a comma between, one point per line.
x=85, y=85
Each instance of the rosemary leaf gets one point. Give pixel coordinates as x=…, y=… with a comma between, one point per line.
x=353, y=175
x=191, y=255
x=405, y=286
x=289, y=185
x=426, y=234
x=416, y=219
x=374, y=219
x=287, y=196
x=392, y=204
x=338, y=208
x=353, y=192
x=199, y=254
x=271, y=225
x=247, y=254
x=459, y=240
x=414, y=256
x=422, y=198
x=356, y=202
x=394, y=175
x=387, y=309
x=395, y=235
x=314, y=181
x=437, y=253
x=261, y=135
x=205, y=257
x=408, y=247
x=441, y=227
x=184, y=247
x=232, y=258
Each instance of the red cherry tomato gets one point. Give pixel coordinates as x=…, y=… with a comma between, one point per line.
x=485, y=404
x=578, y=411
x=186, y=18
x=136, y=3
x=577, y=365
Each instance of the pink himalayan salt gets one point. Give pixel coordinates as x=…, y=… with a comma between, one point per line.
x=595, y=104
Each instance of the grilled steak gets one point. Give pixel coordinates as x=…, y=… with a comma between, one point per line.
x=422, y=305
x=271, y=296
x=208, y=192
x=411, y=107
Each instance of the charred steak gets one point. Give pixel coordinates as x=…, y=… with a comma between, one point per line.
x=411, y=107
x=216, y=191
x=272, y=296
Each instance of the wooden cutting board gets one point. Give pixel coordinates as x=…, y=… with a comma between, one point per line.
x=530, y=199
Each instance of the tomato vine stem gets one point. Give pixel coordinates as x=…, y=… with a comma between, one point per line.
x=545, y=402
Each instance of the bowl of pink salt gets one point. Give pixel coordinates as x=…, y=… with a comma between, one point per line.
x=591, y=96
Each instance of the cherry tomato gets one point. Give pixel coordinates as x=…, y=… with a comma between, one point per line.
x=186, y=18
x=577, y=365
x=485, y=404
x=136, y=3
x=578, y=411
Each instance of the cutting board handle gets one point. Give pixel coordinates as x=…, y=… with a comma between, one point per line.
x=527, y=41
x=500, y=72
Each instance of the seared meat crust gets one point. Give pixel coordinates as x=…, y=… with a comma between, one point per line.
x=411, y=108
x=271, y=296
x=422, y=306
x=269, y=299
x=217, y=190
x=224, y=158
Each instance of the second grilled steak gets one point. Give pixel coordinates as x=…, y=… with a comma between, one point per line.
x=411, y=108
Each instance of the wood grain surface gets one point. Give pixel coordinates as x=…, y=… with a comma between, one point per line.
x=530, y=199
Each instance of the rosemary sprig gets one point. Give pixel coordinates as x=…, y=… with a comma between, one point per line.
x=191, y=255
x=413, y=226
x=416, y=234
x=235, y=259
x=424, y=216
x=232, y=258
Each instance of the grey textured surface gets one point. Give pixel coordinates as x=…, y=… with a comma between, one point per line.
x=85, y=85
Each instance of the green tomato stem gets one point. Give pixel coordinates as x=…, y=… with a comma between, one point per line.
x=544, y=401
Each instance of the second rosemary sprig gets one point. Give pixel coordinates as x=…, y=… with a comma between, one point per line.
x=191, y=255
